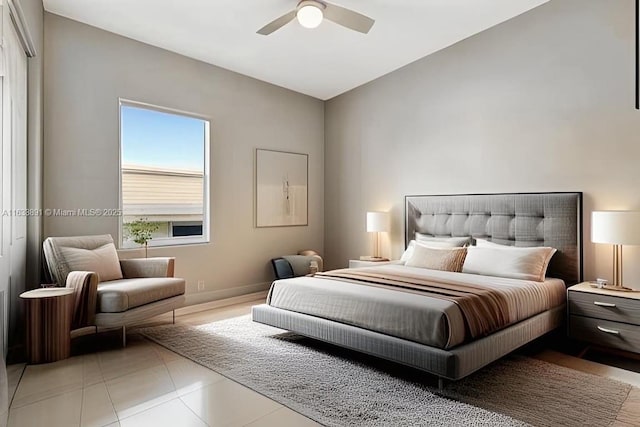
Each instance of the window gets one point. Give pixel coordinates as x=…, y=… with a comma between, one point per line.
x=164, y=174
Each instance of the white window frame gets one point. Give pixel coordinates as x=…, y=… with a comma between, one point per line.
x=206, y=215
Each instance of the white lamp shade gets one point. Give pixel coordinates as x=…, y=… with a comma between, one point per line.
x=378, y=221
x=309, y=15
x=616, y=227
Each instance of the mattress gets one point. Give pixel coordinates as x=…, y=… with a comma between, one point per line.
x=413, y=316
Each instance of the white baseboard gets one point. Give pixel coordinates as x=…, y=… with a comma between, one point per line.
x=202, y=301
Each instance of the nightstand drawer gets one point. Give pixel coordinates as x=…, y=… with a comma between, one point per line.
x=607, y=307
x=610, y=334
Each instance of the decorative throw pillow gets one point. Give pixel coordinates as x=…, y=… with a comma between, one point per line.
x=445, y=259
x=515, y=263
x=434, y=242
x=103, y=260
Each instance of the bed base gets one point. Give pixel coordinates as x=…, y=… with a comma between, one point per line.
x=451, y=364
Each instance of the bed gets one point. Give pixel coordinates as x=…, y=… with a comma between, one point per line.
x=447, y=324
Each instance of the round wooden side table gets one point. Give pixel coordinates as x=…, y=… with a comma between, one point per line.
x=49, y=312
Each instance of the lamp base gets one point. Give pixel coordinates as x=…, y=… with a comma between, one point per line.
x=613, y=288
x=373, y=258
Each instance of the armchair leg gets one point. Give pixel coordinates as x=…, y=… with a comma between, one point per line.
x=124, y=336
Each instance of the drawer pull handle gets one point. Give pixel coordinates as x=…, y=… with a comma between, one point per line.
x=609, y=331
x=604, y=304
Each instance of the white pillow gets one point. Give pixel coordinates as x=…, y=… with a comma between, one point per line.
x=482, y=243
x=515, y=263
x=444, y=259
x=454, y=241
x=438, y=242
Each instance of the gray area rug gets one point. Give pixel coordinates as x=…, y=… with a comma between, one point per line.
x=338, y=387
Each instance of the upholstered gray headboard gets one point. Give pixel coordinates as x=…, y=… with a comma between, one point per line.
x=519, y=219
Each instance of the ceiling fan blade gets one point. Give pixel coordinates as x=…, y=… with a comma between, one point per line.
x=277, y=23
x=348, y=18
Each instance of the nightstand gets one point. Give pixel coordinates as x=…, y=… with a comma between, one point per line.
x=604, y=317
x=357, y=263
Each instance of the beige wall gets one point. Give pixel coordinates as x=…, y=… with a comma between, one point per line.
x=87, y=70
x=543, y=102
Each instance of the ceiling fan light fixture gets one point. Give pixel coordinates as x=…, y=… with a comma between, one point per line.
x=309, y=14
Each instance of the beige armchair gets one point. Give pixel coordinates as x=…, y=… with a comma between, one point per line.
x=110, y=292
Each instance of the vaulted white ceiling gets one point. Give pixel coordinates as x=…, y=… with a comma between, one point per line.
x=323, y=62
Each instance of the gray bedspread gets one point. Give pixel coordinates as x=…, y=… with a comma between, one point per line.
x=409, y=315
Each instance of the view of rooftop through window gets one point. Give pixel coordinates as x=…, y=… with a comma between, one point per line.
x=163, y=168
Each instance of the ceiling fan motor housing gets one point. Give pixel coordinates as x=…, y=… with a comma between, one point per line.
x=310, y=13
x=314, y=3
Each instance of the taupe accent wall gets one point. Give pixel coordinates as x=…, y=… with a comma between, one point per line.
x=87, y=70
x=543, y=102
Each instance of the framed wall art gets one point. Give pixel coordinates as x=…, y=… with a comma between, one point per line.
x=281, y=188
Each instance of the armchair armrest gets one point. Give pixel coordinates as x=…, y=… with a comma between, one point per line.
x=147, y=267
x=85, y=286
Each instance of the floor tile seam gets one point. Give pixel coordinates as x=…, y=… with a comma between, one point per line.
x=75, y=388
x=124, y=374
x=99, y=369
x=173, y=383
x=151, y=407
x=108, y=395
x=192, y=411
x=280, y=406
x=15, y=391
x=148, y=409
x=81, y=401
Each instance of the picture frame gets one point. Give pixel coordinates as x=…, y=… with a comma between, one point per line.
x=281, y=188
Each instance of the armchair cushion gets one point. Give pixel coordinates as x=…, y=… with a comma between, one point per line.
x=103, y=260
x=121, y=295
x=84, y=253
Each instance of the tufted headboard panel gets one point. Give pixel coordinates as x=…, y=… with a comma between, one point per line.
x=517, y=219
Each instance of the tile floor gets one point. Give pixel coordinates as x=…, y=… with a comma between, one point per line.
x=141, y=385
x=146, y=385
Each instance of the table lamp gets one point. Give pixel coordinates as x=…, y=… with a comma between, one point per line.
x=617, y=228
x=377, y=222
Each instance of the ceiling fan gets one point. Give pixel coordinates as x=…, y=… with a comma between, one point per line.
x=310, y=14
